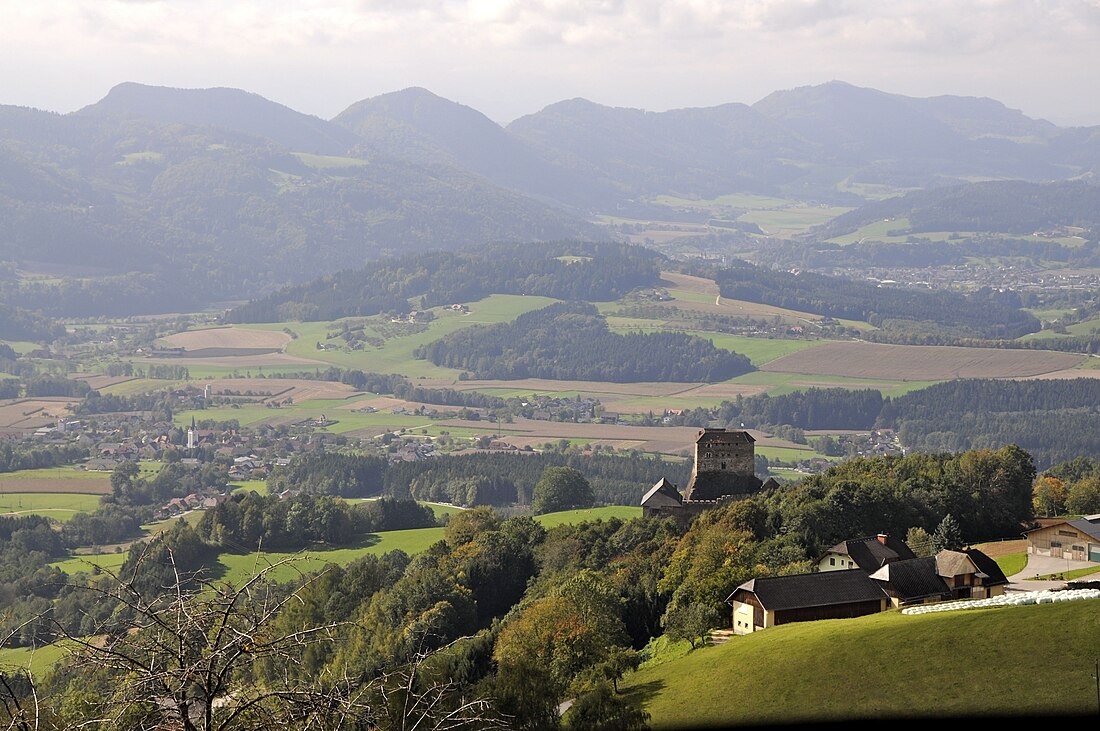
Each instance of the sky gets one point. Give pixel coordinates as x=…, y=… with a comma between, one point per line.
x=508, y=58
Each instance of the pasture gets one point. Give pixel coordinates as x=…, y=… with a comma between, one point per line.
x=59, y=506
x=69, y=480
x=856, y=359
x=909, y=666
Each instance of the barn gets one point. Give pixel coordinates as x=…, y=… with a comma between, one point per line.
x=773, y=600
x=1077, y=540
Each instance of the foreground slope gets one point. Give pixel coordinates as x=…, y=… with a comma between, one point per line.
x=996, y=662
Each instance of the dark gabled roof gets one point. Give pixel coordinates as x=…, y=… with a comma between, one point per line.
x=729, y=436
x=1087, y=526
x=988, y=567
x=663, y=494
x=827, y=588
x=913, y=579
x=870, y=555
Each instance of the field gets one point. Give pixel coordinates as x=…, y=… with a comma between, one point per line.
x=1031, y=660
x=32, y=413
x=622, y=512
x=281, y=389
x=228, y=337
x=55, y=480
x=60, y=507
x=921, y=362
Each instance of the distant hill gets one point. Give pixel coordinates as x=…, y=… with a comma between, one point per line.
x=425, y=129
x=198, y=213
x=184, y=196
x=905, y=141
x=1005, y=206
x=702, y=152
x=230, y=109
x=575, y=271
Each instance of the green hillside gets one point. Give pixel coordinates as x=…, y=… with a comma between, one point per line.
x=1011, y=661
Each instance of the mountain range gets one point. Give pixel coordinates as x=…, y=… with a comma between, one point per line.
x=199, y=194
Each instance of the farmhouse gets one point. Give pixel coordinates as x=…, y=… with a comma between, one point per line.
x=1078, y=540
x=723, y=472
x=773, y=600
x=968, y=574
x=869, y=554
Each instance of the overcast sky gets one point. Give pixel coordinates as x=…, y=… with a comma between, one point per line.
x=513, y=57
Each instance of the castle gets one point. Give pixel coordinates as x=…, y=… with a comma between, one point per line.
x=724, y=471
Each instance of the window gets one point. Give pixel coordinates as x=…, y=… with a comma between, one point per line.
x=832, y=562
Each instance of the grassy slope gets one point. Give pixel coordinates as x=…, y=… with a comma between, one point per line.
x=59, y=506
x=1017, y=660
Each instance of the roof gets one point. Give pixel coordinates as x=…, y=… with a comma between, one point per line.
x=870, y=554
x=954, y=563
x=663, y=494
x=1089, y=525
x=729, y=436
x=827, y=588
x=912, y=579
x=988, y=567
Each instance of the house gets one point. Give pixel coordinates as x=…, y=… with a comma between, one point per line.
x=870, y=553
x=661, y=498
x=773, y=600
x=1078, y=540
x=967, y=574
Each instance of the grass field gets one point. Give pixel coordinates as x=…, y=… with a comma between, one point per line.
x=69, y=479
x=59, y=506
x=36, y=661
x=884, y=666
x=622, y=512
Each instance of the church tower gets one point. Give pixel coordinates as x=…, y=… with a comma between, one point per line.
x=191, y=434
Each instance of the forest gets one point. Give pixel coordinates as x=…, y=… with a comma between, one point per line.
x=984, y=314
x=482, y=478
x=571, y=271
x=473, y=617
x=571, y=341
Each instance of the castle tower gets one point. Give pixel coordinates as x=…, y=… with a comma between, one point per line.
x=725, y=465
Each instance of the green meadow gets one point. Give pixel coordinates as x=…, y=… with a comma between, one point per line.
x=1032, y=660
x=59, y=506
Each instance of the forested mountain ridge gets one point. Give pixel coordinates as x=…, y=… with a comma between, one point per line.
x=200, y=213
x=1003, y=206
x=574, y=271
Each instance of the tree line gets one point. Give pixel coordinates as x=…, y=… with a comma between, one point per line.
x=571, y=341
x=574, y=271
x=984, y=314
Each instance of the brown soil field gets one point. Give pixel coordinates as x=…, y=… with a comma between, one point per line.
x=688, y=283
x=920, y=362
x=228, y=337
x=239, y=361
x=97, y=381
x=1068, y=373
x=1003, y=548
x=724, y=391
x=279, y=389
x=665, y=440
x=82, y=485
x=33, y=413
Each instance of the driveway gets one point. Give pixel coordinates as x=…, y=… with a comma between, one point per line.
x=1042, y=566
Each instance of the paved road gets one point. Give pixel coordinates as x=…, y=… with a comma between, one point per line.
x=1042, y=566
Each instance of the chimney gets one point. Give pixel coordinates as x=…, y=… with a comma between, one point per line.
x=881, y=538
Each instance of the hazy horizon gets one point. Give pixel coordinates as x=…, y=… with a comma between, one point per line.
x=508, y=58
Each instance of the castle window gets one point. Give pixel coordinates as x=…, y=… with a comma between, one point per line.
x=723, y=465
x=832, y=562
